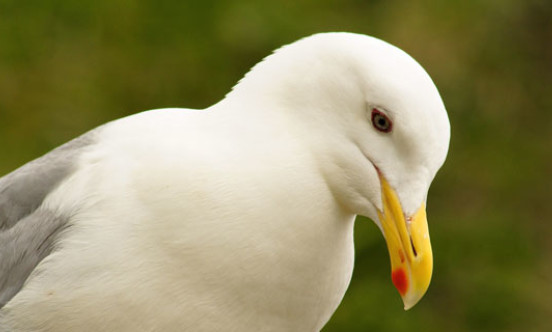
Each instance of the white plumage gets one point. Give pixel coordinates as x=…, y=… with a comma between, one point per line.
x=238, y=217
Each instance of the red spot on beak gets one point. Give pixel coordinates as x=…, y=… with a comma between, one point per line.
x=400, y=280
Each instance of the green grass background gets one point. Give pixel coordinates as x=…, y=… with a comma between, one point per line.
x=67, y=66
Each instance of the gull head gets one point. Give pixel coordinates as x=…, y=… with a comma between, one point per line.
x=378, y=129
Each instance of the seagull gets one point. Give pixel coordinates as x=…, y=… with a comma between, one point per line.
x=237, y=217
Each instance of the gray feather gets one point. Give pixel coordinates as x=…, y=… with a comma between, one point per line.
x=24, y=246
x=28, y=231
x=23, y=190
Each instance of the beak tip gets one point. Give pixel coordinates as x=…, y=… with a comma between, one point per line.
x=408, y=306
x=410, y=300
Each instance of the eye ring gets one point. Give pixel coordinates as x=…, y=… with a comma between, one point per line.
x=381, y=122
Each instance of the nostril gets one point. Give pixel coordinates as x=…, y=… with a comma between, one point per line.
x=413, y=248
x=408, y=221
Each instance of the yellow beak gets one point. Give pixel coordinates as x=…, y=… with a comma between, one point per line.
x=409, y=247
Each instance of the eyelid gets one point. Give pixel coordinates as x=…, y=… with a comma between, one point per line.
x=382, y=110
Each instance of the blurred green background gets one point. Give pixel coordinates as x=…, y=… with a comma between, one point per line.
x=67, y=66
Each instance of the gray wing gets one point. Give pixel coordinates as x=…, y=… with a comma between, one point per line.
x=28, y=231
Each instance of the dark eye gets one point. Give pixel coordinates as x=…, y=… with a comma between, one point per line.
x=381, y=122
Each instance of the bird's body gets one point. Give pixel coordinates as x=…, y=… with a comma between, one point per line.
x=160, y=232
x=234, y=218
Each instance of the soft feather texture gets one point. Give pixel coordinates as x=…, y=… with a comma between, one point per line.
x=238, y=217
